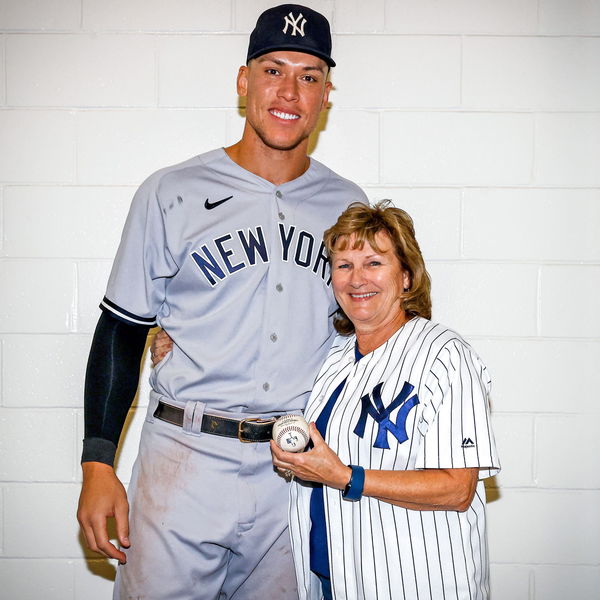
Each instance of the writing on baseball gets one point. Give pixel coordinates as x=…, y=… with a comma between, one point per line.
x=290, y=433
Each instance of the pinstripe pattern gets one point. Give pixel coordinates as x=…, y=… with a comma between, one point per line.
x=377, y=550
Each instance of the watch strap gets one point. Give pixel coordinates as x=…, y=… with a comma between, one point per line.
x=354, y=488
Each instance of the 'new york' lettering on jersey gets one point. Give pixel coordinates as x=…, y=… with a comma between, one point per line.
x=255, y=256
x=229, y=253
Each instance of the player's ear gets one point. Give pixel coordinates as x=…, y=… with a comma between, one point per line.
x=328, y=86
x=242, y=81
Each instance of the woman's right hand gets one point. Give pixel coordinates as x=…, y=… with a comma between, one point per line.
x=320, y=464
x=162, y=344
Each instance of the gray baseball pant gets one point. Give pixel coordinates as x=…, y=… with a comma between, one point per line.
x=208, y=518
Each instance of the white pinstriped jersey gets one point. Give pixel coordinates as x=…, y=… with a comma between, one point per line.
x=438, y=390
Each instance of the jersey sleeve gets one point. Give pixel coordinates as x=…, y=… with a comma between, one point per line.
x=143, y=264
x=456, y=424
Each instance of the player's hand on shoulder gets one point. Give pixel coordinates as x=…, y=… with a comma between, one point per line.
x=103, y=496
x=162, y=344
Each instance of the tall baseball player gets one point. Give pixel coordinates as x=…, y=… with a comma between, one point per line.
x=224, y=252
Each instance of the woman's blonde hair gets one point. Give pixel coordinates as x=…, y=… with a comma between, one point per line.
x=364, y=222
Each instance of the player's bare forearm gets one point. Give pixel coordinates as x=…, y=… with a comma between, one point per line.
x=102, y=497
x=426, y=489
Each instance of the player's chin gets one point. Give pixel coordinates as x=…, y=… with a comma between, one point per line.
x=284, y=143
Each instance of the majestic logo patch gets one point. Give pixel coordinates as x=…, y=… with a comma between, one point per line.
x=468, y=443
x=293, y=23
x=210, y=205
x=381, y=414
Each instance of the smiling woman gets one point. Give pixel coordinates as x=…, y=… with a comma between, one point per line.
x=391, y=498
x=368, y=283
x=389, y=236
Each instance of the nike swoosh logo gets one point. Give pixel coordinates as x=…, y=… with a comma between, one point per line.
x=211, y=205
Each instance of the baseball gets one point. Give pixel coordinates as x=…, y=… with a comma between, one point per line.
x=290, y=433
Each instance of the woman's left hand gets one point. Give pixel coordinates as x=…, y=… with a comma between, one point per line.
x=319, y=464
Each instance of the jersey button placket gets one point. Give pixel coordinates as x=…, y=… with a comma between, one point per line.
x=275, y=326
x=267, y=354
x=279, y=196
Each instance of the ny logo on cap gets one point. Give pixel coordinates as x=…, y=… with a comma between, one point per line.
x=290, y=21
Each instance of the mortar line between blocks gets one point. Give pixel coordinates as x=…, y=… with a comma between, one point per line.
x=531, y=584
x=2, y=220
x=380, y=114
x=4, y=99
x=233, y=20
x=2, y=518
x=1, y=387
x=461, y=71
x=533, y=444
x=538, y=324
x=156, y=72
x=74, y=316
x=534, y=127
x=75, y=414
x=461, y=225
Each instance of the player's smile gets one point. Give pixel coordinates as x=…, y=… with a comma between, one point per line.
x=286, y=116
x=368, y=284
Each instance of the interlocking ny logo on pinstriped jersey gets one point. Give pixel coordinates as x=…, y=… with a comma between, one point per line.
x=293, y=23
x=381, y=414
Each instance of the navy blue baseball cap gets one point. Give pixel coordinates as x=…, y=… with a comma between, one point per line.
x=291, y=27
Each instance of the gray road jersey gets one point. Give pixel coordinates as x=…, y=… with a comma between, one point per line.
x=233, y=268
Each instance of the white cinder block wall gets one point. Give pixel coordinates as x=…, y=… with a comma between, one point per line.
x=480, y=117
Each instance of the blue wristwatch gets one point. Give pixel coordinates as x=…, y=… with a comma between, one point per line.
x=354, y=488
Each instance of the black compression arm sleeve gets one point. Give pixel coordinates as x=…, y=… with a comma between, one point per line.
x=111, y=381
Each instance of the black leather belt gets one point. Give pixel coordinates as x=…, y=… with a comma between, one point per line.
x=245, y=430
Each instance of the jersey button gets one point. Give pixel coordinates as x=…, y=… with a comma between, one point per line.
x=273, y=337
x=281, y=216
x=279, y=287
x=266, y=387
x=278, y=194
